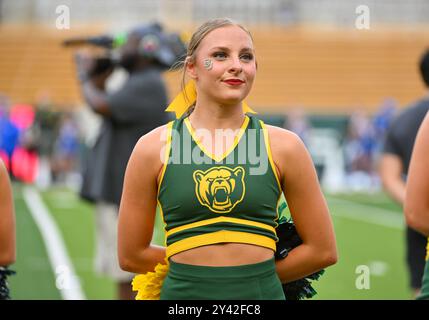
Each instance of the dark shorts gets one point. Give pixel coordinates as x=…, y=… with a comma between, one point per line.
x=424, y=294
x=248, y=282
x=416, y=253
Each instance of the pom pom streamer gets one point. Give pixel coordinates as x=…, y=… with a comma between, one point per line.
x=4, y=285
x=149, y=285
x=288, y=240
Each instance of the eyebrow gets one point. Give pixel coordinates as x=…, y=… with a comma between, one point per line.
x=227, y=49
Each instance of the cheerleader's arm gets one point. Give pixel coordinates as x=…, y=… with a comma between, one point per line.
x=7, y=220
x=138, y=207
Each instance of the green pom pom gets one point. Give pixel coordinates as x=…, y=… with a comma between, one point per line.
x=4, y=285
x=288, y=240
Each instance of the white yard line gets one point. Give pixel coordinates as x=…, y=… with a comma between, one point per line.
x=67, y=281
x=369, y=214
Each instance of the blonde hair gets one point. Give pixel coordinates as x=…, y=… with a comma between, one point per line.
x=196, y=39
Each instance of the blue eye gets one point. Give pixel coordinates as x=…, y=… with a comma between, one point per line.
x=219, y=55
x=247, y=56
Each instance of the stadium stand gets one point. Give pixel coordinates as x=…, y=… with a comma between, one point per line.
x=323, y=71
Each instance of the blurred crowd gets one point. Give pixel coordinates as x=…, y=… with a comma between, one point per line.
x=363, y=146
x=41, y=144
x=38, y=143
x=361, y=143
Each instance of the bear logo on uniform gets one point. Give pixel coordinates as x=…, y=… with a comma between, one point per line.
x=220, y=188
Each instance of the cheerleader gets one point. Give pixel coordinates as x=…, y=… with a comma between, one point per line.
x=217, y=173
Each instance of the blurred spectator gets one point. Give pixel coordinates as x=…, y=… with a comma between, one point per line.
x=297, y=122
x=66, y=149
x=416, y=206
x=9, y=134
x=131, y=111
x=25, y=159
x=360, y=146
x=47, y=124
x=394, y=165
x=381, y=122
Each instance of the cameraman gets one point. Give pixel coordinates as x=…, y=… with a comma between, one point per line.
x=130, y=112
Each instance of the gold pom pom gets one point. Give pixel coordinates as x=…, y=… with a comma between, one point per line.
x=148, y=285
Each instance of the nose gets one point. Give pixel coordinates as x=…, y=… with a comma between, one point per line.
x=235, y=66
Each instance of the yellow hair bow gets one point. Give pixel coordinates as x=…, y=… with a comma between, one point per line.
x=187, y=98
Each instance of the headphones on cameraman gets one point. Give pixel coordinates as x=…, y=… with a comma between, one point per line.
x=154, y=43
x=149, y=45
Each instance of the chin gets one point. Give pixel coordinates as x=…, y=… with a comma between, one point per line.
x=231, y=100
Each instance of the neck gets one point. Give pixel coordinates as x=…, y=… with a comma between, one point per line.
x=212, y=115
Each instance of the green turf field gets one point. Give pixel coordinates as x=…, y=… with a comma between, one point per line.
x=76, y=221
x=35, y=278
x=364, y=240
x=369, y=231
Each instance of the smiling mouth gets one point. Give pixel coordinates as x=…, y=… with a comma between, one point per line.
x=234, y=82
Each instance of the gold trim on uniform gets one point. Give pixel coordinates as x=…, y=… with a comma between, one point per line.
x=230, y=149
x=223, y=236
x=166, y=154
x=427, y=251
x=164, y=168
x=221, y=219
x=273, y=166
x=269, y=154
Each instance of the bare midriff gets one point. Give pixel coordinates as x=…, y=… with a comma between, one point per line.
x=224, y=254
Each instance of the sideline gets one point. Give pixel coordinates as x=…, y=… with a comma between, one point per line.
x=368, y=214
x=67, y=282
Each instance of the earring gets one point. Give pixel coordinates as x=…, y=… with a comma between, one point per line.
x=208, y=64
